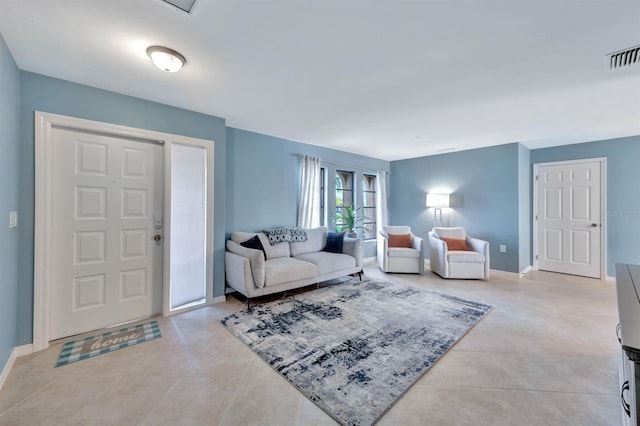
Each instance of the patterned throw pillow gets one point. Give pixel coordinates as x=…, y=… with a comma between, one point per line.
x=285, y=234
x=298, y=235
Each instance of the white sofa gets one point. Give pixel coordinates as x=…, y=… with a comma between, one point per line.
x=289, y=264
x=400, y=259
x=473, y=264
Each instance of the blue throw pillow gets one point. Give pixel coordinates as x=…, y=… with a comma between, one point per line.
x=254, y=243
x=334, y=242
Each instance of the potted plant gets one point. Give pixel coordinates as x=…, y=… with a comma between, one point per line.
x=349, y=220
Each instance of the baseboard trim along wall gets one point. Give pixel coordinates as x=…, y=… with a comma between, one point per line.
x=15, y=353
x=525, y=271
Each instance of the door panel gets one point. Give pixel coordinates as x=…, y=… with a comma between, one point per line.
x=106, y=266
x=568, y=218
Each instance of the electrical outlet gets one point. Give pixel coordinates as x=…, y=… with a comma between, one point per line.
x=503, y=248
x=13, y=219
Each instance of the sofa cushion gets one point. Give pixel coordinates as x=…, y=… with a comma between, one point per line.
x=328, y=262
x=286, y=269
x=403, y=252
x=272, y=252
x=334, y=242
x=256, y=261
x=316, y=240
x=464, y=257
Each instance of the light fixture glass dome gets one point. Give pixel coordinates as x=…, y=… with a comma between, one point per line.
x=166, y=59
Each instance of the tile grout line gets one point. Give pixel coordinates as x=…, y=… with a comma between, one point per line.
x=235, y=392
x=149, y=414
x=515, y=389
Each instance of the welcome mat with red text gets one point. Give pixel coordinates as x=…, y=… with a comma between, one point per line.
x=89, y=347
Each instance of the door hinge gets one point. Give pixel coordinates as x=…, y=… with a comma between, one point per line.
x=536, y=217
x=536, y=177
x=536, y=257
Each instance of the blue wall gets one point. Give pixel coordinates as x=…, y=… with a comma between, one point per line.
x=9, y=146
x=484, y=184
x=623, y=191
x=524, y=206
x=45, y=94
x=263, y=176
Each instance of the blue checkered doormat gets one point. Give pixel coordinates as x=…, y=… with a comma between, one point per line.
x=89, y=347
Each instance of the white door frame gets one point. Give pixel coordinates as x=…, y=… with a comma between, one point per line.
x=603, y=208
x=44, y=125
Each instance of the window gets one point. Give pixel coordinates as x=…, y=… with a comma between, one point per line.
x=323, y=196
x=344, y=195
x=369, y=206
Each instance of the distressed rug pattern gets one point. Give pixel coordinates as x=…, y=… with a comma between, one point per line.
x=355, y=348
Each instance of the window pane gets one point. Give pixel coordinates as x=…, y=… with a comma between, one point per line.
x=369, y=205
x=344, y=195
x=188, y=225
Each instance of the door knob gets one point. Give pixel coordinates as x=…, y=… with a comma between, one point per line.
x=594, y=225
x=157, y=237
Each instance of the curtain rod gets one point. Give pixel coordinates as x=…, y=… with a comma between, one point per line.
x=347, y=166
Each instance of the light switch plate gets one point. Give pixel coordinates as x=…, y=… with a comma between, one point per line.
x=13, y=219
x=503, y=248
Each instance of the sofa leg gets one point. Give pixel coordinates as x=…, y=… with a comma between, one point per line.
x=360, y=275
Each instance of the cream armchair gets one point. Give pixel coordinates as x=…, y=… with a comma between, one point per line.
x=400, y=259
x=456, y=263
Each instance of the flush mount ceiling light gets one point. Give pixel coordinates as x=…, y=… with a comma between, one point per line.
x=166, y=59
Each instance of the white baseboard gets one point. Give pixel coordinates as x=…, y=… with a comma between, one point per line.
x=610, y=278
x=525, y=271
x=369, y=259
x=218, y=299
x=509, y=274
x=15, y=353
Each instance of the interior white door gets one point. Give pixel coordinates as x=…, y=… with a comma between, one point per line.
x=569, y=223
x=106, y=244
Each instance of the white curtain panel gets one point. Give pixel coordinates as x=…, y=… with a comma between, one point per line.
x=309, y=196
x=382, y=210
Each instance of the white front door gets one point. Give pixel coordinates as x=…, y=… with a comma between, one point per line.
x=569, y=222
x=107, y=204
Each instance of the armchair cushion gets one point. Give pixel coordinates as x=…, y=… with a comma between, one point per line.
x=399, y=240
x=403, y=252
x=456, y=232
x=465, y=257
x=397, y=229
x=456, y=244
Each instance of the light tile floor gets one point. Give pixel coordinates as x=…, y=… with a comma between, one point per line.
x=545, y=355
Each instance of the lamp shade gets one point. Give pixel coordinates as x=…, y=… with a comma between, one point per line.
x=437, y=200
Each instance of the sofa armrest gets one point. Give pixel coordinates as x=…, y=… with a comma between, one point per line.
x=238, y=272
x=256, y=261
x=417, y=243
x=353, y=247
x=381, y=252
x=481, y=246
x=438, y=255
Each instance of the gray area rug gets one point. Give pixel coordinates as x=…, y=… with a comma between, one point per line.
x=355, y=348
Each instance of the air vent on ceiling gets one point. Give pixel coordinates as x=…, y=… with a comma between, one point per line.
x=623, y=58
x=183, y=5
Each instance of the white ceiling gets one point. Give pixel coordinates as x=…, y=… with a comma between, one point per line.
x=389, y=79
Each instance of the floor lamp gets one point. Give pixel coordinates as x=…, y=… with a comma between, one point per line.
x=437, y=202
